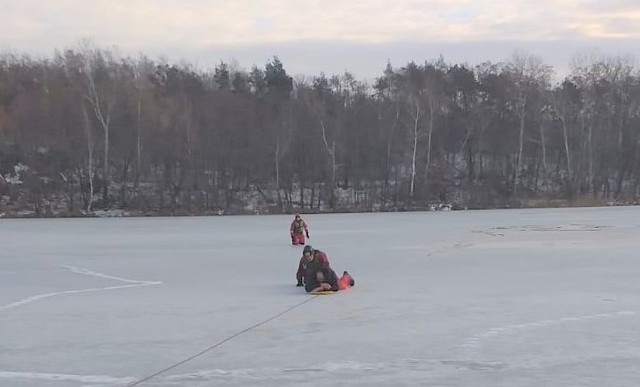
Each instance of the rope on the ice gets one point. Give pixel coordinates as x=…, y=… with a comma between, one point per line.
x=147, y=378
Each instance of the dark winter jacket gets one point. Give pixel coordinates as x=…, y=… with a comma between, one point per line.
x=330, y=277
x=305, y=267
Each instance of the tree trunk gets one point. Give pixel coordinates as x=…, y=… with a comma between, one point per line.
x=332, y=158
x=431, y=120
x=104, y=117
x=138, y=140
x=516, y=180
x=544, y=149
x=416, y=120
x=590, y=180
x=565, y=135
x=87, y=127
x=390, y=141
x=277, y=162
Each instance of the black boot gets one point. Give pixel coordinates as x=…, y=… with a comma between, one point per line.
x=352, y=282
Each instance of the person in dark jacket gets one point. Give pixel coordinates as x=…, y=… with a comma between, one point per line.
x=311, y=261
x=325, y=279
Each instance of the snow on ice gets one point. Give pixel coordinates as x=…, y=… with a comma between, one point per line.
x=481, y=298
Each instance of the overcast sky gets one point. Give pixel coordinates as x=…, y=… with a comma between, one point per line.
x=333, y=36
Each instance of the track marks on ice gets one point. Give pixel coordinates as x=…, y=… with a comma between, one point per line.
x=302, y=372
x=77, y=270
x=91, y=379
x=474, y=341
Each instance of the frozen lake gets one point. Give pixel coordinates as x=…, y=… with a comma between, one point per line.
x=481, y=298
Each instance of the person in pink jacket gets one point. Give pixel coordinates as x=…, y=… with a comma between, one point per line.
x=298, y=230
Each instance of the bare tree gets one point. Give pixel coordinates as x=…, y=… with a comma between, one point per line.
x=530, y=76
x=279, y=86
x=100, y=68
x=90, y=145
x=320, y=100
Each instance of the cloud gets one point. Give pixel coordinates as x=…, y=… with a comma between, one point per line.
x=332, y=35
x=199, y=23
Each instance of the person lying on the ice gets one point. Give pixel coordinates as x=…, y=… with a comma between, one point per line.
x=345, y=281
x=325, y=279
x=310, y=262
x=298, y=230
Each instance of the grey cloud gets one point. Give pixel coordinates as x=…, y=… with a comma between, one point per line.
x=612, y=5
x=622, y=26
x=367, y=61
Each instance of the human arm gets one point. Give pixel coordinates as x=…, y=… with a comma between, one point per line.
x=321, y=288
x=329, y=283
x=332, y=281
x=325, y=287
x=306, y=229
x=324, y=260
x=310, y=288
x=300, y=272
x=310, y=284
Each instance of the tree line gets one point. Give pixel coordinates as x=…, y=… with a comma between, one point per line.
x=90, y=129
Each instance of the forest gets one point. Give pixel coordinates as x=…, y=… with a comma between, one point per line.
x=90, y=130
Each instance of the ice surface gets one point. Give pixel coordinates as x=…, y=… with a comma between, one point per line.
x=480, y=298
